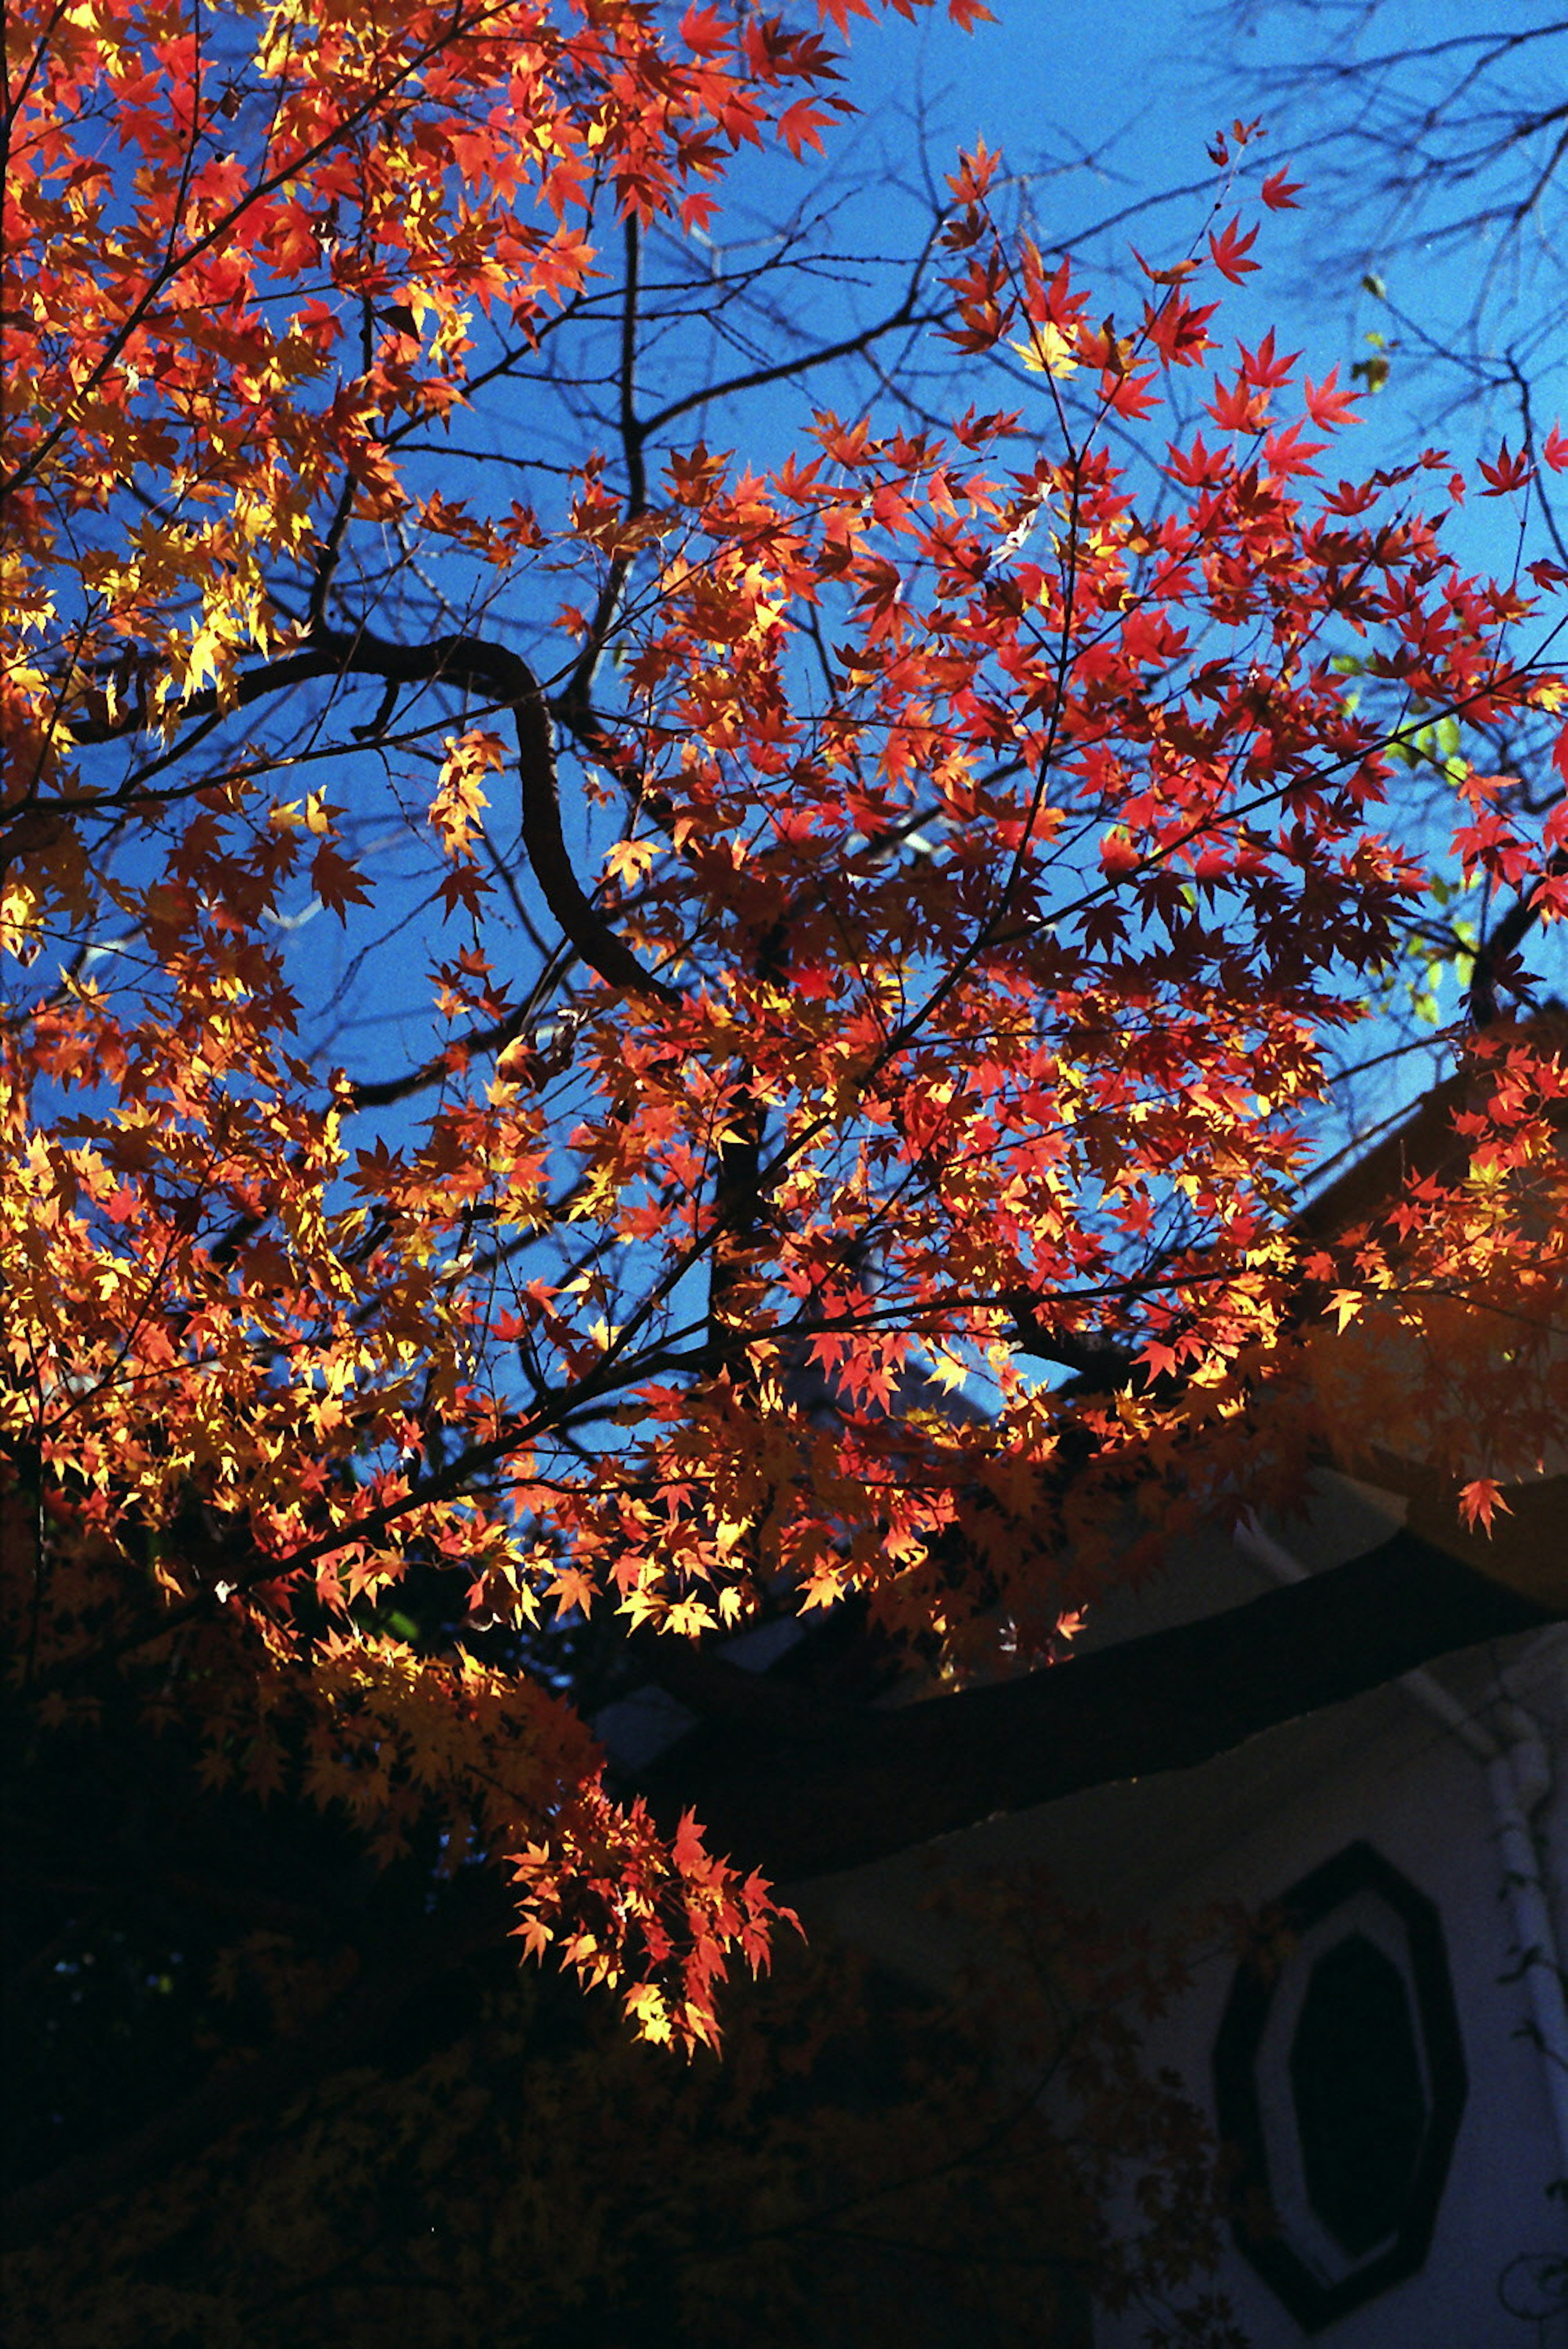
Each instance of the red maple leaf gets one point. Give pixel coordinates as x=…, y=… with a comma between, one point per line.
x=1229, y=249
x=1506, y=472
x=1279, y=193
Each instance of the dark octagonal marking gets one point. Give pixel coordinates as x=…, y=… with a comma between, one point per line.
x=1374, y=2171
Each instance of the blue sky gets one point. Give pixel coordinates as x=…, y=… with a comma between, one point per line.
x=1108, y=109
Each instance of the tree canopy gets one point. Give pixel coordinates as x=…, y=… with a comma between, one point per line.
x=862, y=936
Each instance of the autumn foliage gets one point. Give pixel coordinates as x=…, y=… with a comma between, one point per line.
x=883, y=922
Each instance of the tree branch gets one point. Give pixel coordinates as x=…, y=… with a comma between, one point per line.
x=501, y=676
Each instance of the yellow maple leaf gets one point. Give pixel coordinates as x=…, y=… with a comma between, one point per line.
x=628, y=860
x=1048, y=351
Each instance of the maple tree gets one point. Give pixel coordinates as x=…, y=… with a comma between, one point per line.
x=938, y=883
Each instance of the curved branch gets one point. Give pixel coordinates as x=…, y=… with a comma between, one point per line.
x=501, y=677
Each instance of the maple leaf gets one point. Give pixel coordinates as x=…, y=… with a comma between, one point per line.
x=1228, y=250
x=1279, y=193
x=1236, y=408
x=977, y=170
x=629, y=859
x=1326, y=405
x=1264, y=367
x=801, y=126
x=1506, y=472
x=338, y=882
x=1176, y=274
x=1481, y=1500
